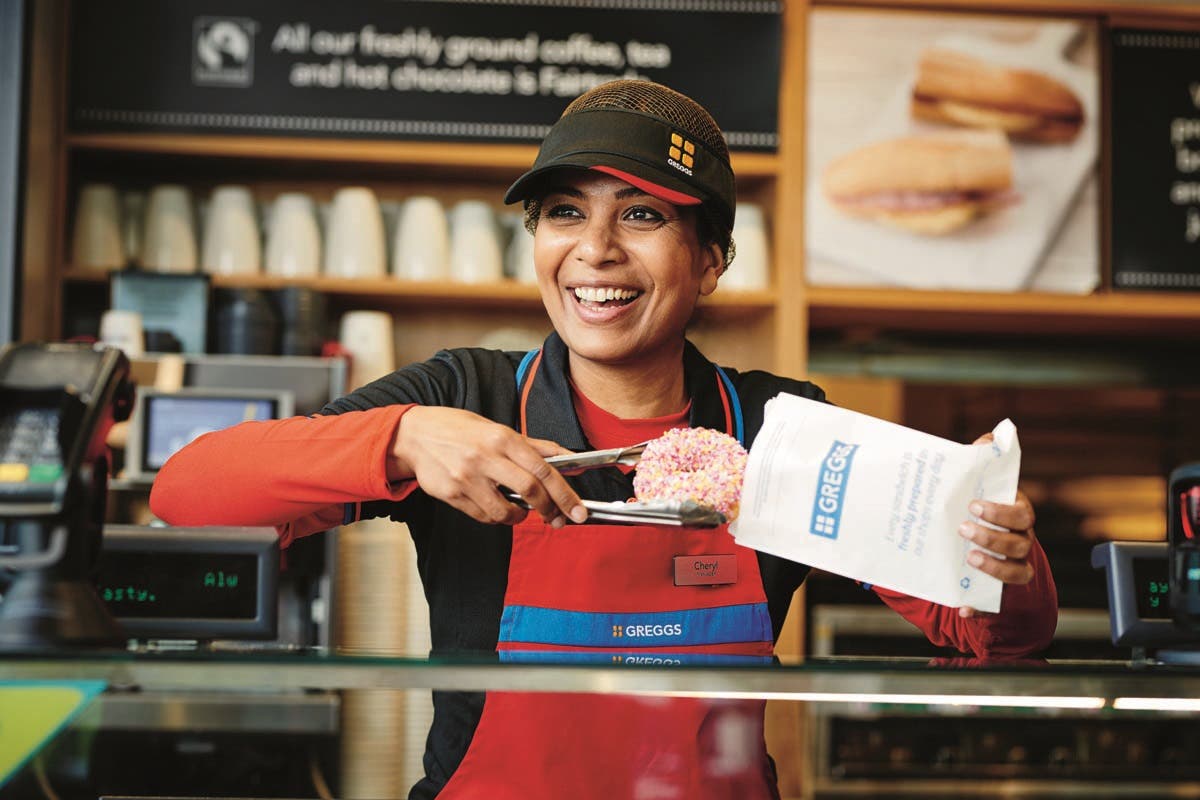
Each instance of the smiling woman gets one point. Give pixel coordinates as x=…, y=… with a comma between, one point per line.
x=631, y=203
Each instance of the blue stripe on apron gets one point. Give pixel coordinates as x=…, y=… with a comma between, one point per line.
x=631, y=659
x=741, y=623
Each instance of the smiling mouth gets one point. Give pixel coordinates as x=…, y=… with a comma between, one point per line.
x=605, y=296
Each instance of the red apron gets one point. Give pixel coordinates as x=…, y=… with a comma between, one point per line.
x=608, y=594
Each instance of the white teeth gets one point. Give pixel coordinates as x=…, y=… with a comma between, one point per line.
x=593, y=294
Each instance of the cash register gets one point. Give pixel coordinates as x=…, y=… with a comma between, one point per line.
x=1154, y=587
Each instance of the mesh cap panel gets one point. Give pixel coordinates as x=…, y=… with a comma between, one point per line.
x=659, y=101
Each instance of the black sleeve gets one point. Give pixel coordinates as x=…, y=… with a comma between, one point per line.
x=781, y=577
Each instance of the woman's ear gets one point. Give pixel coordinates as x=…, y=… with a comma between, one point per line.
x=713, y=262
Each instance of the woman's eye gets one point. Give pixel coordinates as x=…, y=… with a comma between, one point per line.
x=562, y=211
x=643, y=214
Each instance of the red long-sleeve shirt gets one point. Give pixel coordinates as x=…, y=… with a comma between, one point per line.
x=298, y=475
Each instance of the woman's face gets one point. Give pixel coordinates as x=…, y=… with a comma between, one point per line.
x=619, y=270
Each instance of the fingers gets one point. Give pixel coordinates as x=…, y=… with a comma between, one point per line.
x=985, y=438
x=1018, y=516
x=1005, y=543
x=540, y=485
x=463, y=459
x=1010, y=570
x=1013, y=542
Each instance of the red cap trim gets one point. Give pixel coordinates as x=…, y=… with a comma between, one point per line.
x=652, y=189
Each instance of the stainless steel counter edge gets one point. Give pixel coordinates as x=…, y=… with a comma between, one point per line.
x=1067, y=687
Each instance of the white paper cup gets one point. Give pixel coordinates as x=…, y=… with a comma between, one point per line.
x=751, y=267
x=123, y=329
x=354, y=245
x=96, y=244
x=518, y=258
x=169, y=232
x=133, y=210
x=370, y=338
x=422, y=245
x=231, y=239
x=475, y=255
x=293, y=239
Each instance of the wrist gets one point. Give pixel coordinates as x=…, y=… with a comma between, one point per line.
x=397, y=466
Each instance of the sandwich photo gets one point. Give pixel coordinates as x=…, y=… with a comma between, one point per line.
x=930, y=184
x=959, y=89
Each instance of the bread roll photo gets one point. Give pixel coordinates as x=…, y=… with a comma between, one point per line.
x=959, y=89
x=930, y=184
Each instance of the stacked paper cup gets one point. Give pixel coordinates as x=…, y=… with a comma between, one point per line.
x=371, y=594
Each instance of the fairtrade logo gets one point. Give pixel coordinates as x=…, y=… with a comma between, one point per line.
x=965, y=583
x=224, y=51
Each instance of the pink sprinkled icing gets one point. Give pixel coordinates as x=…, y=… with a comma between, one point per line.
x=697, y=464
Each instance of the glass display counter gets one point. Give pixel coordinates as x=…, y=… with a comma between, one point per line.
x=850, y=726
x=1109, y=686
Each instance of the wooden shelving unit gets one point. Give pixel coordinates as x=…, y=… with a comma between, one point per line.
x=506, y=160
x=395, y=293
x=1101, y=313
x=773, y=325
x=1093, y=8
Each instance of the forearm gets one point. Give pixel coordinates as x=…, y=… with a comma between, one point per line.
x=277, y=472
x=1025, y=623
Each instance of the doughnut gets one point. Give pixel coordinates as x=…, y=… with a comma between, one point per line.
x=697, y=464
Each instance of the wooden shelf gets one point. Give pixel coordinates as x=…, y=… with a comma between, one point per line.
x=1142, y=8
x=390, y=292
x=1168, y=316
x=505, y=159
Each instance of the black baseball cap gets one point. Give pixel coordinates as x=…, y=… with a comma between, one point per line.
x=649, y=136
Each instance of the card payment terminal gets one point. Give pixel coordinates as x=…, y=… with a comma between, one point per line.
x=57, y=403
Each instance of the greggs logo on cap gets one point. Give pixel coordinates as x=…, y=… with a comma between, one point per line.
x=681, y=154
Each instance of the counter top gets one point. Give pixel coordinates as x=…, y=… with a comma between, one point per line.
x=1111, y=686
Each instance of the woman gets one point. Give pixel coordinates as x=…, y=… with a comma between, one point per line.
x=631, y=203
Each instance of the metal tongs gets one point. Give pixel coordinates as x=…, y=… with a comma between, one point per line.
x=681, y=514
x=616, y=456
x=686, y=513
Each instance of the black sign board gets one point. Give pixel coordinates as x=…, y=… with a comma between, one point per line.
x=1155, y=160
x=468, y=70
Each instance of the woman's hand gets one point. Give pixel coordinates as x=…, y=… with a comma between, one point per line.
x=1013, y=540
x=461, y=458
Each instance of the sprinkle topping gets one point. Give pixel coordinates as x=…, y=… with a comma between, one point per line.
x=697, y=464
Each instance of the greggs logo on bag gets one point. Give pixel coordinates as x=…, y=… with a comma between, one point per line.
x=831, y=490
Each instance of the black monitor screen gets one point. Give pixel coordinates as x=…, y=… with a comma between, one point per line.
x=1150, y=577
x=220, y=586
x=172, y=421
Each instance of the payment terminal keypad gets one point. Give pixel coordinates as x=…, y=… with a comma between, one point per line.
x=29, y=449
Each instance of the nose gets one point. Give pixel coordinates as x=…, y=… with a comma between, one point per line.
x=598, y=244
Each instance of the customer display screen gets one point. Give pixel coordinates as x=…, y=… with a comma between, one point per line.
x=173, y=421
x=1150, y=578
x=179, y=585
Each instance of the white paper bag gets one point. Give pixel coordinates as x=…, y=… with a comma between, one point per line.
x=872, y=500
